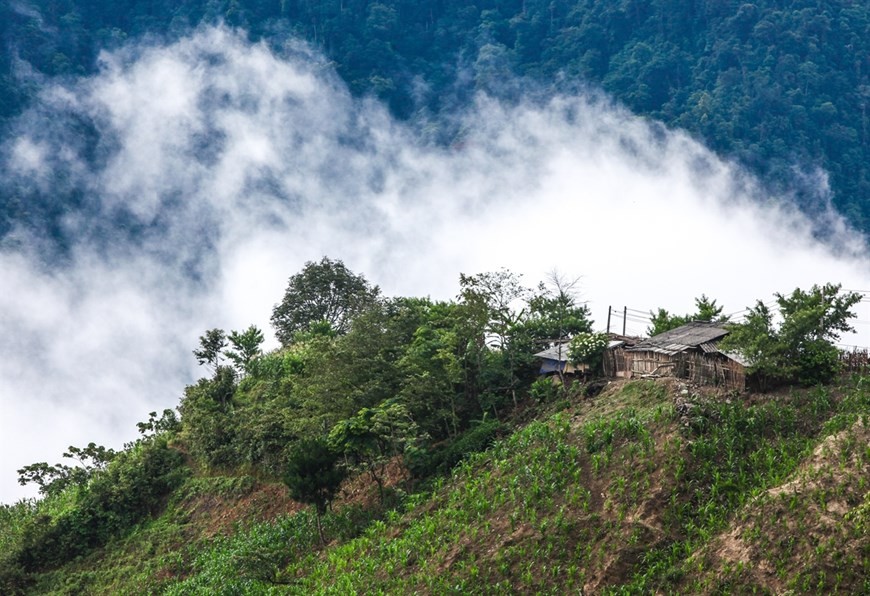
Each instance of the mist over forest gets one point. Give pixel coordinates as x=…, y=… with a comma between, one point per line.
x=782, y=88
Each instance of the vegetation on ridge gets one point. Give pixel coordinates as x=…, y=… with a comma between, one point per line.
x=435, y=462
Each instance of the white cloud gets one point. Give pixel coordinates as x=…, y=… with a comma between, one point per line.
x=233, y=167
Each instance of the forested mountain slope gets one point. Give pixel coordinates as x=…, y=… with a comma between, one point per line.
x=782, y=86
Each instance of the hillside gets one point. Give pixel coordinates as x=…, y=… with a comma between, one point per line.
x=780, y=86
x=649, y=486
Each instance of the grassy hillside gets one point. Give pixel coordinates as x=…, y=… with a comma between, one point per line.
x=650, y=486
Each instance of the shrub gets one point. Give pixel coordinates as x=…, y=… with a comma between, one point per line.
x=130, y=488
x=588, y=349
x=543, y=390
x=442, y=459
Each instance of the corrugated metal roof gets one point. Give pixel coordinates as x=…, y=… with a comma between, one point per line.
x=737, y=357
x=692, y=335
x=559, y=353
x=669, y=350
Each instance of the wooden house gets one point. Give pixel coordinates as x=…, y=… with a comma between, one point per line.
x=689, y=352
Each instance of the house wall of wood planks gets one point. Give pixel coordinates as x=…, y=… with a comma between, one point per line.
x=698, y=367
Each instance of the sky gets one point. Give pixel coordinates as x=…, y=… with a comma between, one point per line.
x=218, y=169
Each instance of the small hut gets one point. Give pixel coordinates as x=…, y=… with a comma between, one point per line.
x=688, y=352
x=555, y=360
x=614, y=364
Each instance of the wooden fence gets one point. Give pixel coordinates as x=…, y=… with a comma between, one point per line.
x=855, y=361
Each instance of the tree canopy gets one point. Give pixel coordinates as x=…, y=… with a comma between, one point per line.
x=706, y=310
x=210, y=348
x=799, y=345
x=323, y=292
x=245, y=346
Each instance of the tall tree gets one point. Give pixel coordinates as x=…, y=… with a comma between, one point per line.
x=498, y=298
x=375, y=435
x=359, y=369
x=245, y=347
x=326, y=291
x=434, y=368
x=53, y=479
x=314, y=475
x=210, y=346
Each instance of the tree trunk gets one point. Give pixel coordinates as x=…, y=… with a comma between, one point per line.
x=319, y=526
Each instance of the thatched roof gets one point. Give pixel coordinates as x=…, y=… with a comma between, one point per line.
x=694, y=335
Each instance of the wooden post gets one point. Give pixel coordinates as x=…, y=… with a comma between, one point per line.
x=624, y=317
x=609, y=308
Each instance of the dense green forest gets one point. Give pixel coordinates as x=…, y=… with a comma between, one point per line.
x=406, y=445
x=782, y=86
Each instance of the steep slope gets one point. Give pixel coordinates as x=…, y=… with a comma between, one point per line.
x=806, y=534
x=649, y=487
x=628, y=493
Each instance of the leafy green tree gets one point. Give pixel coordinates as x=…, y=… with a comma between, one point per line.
x=208, y=425
x=245, y=347
x=554, y=313
x=325, y=291
x=374, y=436
x=51, y=479
x=497, y=294
x=800, y=348
x=210, y=346
x=366, y=358
x=313, y=475
x=757, y=341
x=167, y=423
x=267, y=410
x=706, y=310
x=319, y=399
x=92, y=457
x=262, y=431
x=433, y=371
x=662, y=320
x=308, y=387
x=56, y=478
x=493, y=299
